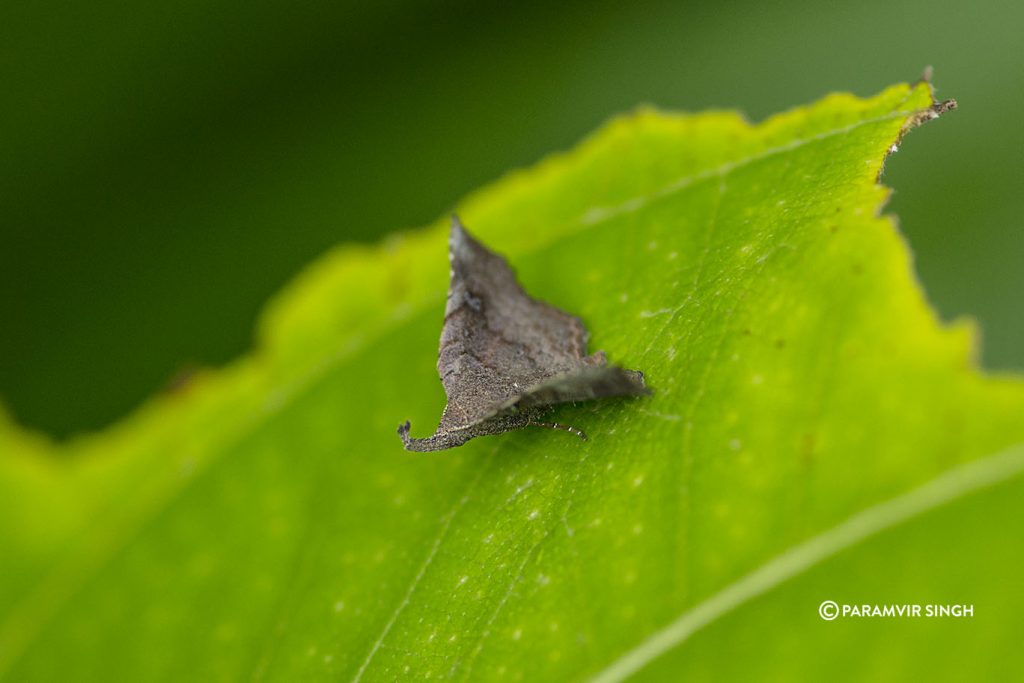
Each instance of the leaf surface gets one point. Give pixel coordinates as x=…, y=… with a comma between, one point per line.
x=263, y=522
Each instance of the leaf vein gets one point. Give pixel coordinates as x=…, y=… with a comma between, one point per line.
x=955, y=483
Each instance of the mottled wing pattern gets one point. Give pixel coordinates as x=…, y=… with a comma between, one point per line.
x=498, y=341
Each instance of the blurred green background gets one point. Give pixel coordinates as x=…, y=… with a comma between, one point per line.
x=165, y=167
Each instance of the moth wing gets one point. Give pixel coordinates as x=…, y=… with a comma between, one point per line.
x=497, y=341
x=581, y=385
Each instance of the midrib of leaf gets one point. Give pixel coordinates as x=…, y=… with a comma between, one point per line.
x=955, y=483
x=43, y=603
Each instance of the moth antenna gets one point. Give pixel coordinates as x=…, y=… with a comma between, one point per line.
x=555, y=425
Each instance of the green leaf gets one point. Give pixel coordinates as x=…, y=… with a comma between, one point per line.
x=811, y=420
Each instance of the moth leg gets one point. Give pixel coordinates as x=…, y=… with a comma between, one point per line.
x=555, y=425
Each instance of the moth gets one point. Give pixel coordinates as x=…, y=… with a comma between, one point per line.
x=506, y=358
